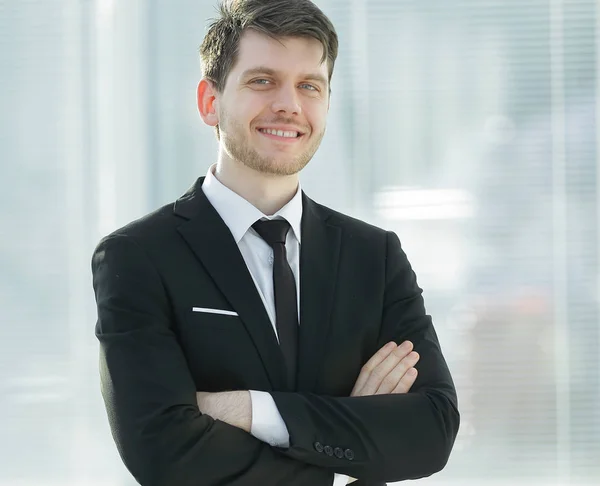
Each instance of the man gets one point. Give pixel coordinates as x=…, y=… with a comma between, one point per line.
x=248, y=335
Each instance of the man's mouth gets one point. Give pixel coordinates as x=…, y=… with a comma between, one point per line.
x=281, y=134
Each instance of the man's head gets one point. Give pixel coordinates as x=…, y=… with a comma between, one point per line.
x=267, y=66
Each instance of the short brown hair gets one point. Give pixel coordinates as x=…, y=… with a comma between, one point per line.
x=275, y=18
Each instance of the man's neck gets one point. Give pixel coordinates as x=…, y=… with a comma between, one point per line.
x=268, y=193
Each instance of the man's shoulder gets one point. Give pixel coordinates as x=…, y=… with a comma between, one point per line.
x=347, y=222
x=152, y=227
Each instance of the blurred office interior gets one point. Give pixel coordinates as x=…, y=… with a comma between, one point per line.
x=469, y=127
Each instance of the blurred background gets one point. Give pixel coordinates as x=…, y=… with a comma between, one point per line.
x=469, y=127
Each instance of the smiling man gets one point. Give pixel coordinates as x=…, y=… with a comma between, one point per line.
x=249, y=335
x=272, y=109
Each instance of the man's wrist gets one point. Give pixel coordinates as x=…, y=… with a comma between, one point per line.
x=232, y=407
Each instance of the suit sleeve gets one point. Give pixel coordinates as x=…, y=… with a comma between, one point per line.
x=390, y=437
x=268, y=426
x=150, y=396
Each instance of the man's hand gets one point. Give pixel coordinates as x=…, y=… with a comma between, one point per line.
x=390, y=370
x=232, y=407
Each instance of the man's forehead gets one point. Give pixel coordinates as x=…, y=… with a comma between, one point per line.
x=260, y=50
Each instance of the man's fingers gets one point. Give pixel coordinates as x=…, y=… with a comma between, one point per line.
x=393, y=376
x=365, y=371
x=407, y=381
x=376, y=369
x=381, y=372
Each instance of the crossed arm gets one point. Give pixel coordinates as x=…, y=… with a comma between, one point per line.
x=164, y=439
x=390, y=370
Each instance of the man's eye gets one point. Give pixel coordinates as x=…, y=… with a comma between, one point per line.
x=260, y=81
x=310, y=86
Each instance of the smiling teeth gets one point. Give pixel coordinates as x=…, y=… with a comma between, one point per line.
x=280, y=133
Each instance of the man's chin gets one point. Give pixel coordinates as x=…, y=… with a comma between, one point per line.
x=278, y=167
x=281, y=169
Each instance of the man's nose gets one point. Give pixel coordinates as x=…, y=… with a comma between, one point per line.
x=286, y=101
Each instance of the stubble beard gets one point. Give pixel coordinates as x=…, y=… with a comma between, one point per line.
x=238, y=147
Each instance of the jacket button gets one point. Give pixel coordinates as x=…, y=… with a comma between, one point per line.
x=339, y=453
x=328, y=450
x=349, y=453
x=318, y=447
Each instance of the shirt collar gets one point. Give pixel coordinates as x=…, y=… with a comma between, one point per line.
x=239, y=215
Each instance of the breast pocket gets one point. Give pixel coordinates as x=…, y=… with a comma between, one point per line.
x=213, y=317
x=220, y=353
x=214, y=311
x=206, y=328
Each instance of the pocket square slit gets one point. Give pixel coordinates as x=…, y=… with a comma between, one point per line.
x=214, y=311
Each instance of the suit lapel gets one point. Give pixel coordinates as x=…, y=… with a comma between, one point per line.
x=319, y=256
x=212, y=242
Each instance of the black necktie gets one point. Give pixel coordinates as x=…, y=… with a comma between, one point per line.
x=274, y=233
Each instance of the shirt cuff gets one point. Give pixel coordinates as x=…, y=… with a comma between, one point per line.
x=267, y=423
x=340, y=479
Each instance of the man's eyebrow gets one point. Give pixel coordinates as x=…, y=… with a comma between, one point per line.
x=316, y=77
x=272, y=72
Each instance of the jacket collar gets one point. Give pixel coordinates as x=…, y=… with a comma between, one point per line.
x=239, y=214
x=213, y=244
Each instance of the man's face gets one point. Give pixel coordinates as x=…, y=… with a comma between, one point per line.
x=273, y=110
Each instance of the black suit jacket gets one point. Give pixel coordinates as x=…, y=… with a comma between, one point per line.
x=358, y=292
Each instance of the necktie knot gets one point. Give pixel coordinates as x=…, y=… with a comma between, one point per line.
x=272, y=231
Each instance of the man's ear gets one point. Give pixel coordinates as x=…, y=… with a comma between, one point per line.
x=206, y=99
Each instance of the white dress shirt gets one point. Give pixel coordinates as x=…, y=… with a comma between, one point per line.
x=239, y=216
